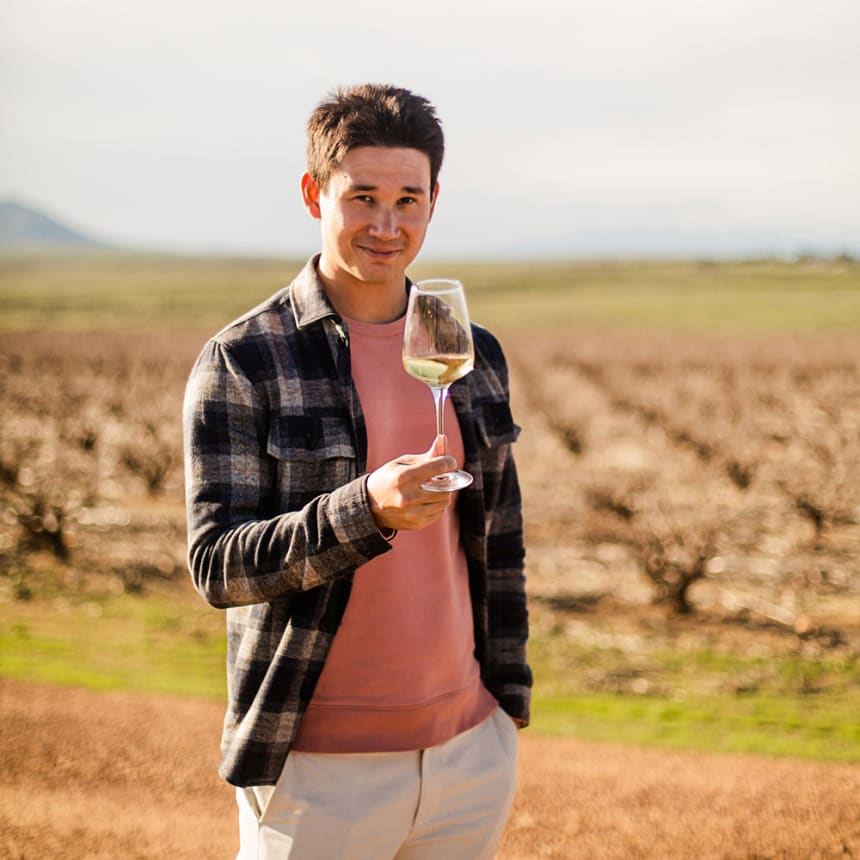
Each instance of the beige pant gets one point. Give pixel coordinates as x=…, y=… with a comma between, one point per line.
x=448, y=802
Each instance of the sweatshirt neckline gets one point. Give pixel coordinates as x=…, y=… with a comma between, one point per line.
x=377, y=330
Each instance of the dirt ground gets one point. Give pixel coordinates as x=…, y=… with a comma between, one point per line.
x=111, y=775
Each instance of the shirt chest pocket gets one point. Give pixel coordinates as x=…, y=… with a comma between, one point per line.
x=311, y=454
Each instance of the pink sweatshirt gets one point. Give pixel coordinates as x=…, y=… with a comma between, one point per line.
x=401, y=673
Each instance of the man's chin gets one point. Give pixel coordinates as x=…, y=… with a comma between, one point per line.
x=385, y=270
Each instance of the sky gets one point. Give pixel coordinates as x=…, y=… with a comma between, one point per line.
x=619, y=128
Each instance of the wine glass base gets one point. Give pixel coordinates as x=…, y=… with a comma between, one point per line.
x=448, y=482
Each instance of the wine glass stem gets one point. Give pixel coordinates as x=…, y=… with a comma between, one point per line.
x=440, y=395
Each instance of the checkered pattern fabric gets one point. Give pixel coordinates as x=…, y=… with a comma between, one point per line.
x=279, y=519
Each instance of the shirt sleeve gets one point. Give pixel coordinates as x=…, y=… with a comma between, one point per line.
x=241, y=551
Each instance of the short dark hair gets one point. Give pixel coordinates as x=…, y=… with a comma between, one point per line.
x=372, y=115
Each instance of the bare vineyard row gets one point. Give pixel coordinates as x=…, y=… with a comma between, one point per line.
x=709, y=459
x=91, y=453
x=730, y=457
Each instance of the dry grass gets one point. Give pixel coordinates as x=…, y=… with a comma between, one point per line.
x=103, y=776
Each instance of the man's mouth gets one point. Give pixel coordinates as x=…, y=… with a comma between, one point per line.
x=380, y=253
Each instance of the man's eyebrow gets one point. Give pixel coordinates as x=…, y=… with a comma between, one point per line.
x=408, y=189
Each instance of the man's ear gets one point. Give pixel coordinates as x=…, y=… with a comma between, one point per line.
x=434, y=198
x=311, y=195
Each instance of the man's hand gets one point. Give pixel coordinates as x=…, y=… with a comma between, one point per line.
x=396, y=498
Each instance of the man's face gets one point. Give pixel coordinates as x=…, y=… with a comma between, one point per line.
x=373, y=214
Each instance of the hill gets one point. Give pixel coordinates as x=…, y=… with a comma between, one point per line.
x=24, y=227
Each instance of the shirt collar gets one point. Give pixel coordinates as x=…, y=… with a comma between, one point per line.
x=309, y=300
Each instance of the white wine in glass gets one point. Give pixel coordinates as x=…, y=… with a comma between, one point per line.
x=438, y=350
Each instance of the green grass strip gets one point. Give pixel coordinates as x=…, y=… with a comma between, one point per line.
x=176, y=645
x=146, y=645
x=121, y=292
x=811, y=727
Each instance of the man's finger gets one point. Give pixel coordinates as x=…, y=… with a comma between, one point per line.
x=433, y=466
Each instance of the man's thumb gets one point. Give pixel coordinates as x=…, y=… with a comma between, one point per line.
x=439, y=446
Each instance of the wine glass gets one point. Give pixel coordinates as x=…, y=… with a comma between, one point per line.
x=438, y=350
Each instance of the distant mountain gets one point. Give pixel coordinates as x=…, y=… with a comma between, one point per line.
x=22, y=227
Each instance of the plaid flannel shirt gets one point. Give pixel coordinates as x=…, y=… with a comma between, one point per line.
x=279, y=518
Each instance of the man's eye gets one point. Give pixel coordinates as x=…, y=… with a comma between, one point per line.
x=406, y=200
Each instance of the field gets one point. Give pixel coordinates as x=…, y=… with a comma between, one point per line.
x=689, y=461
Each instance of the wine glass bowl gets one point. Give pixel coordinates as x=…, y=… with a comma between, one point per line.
x=438, y=350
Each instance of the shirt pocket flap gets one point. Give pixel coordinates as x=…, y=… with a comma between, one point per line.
x=495, y=424
x=310, y=437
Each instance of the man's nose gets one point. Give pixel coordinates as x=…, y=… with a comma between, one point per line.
x=384, y=224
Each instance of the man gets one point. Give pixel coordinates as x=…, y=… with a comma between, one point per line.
x=376, y=631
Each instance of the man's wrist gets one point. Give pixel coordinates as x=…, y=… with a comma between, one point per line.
x=386, y=532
